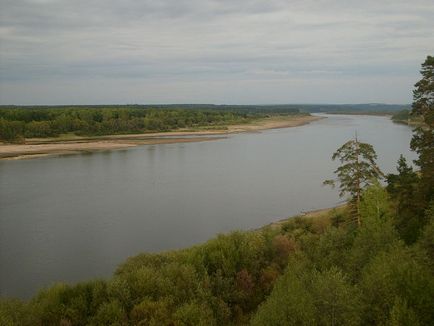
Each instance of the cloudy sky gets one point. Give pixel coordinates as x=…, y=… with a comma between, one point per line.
x=212, y=51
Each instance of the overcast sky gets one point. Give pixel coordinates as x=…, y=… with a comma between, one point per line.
x=212, y=51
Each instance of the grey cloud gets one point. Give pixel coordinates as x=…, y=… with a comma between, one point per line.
x=212, y=42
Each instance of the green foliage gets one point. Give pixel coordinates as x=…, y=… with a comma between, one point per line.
x=329, y=250
x=357, y=171
x=403, y=189
x=363, y=276
x=423, y=138
x=19, y=122
x=426, y=240
x=62, y=303
x=109, y=314
x=412, y=192
x=219, y=282
x=376, y=233
x=397, y=274
x=375, y=205
x=305, y=296
x=194, y=314
x=11, y=131
x=358, y=168
x=402, y=315
x=298, y=227
x=150, y=312
x=423, y=94
x=289, y=303
x=48, y=308
x=336, y=300
x=13, y=313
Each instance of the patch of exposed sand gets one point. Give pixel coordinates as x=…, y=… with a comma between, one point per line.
x=38, y=147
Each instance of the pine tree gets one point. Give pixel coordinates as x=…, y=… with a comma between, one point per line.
x=358, y=170
x=423, y=139
x=403, y=189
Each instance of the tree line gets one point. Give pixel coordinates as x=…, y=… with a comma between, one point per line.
x=17, y=123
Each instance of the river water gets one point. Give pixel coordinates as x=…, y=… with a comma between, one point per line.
x=77, y=217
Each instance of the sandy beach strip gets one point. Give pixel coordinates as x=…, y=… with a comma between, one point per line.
x=39, y=147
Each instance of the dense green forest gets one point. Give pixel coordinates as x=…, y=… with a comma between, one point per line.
x=17, y=123
x=368, y=263
x=20, y=122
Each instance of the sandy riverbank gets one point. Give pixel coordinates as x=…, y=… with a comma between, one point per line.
x=38, y=147
x=321, y=216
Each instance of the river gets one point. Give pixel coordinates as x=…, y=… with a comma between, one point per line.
x=73, y=218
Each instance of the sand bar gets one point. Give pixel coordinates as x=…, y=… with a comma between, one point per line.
x=38, y=147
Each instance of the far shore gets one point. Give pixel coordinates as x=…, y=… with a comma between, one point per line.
x=379, y=114
x=40, y=147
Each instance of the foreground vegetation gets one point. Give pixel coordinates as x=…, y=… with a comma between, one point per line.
x=17, y=123
x=370, y=263
x=305, y=271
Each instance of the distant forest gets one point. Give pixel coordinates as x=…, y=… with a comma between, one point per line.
x=17, y=123
x=20, y=122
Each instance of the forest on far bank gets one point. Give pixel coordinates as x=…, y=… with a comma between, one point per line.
x=18, y=123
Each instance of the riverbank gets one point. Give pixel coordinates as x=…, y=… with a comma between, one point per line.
x=414, y=123
x=375, y=114
x=321, y=218
x=40, y=147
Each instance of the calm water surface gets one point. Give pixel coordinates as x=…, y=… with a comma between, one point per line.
x=77, y=217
